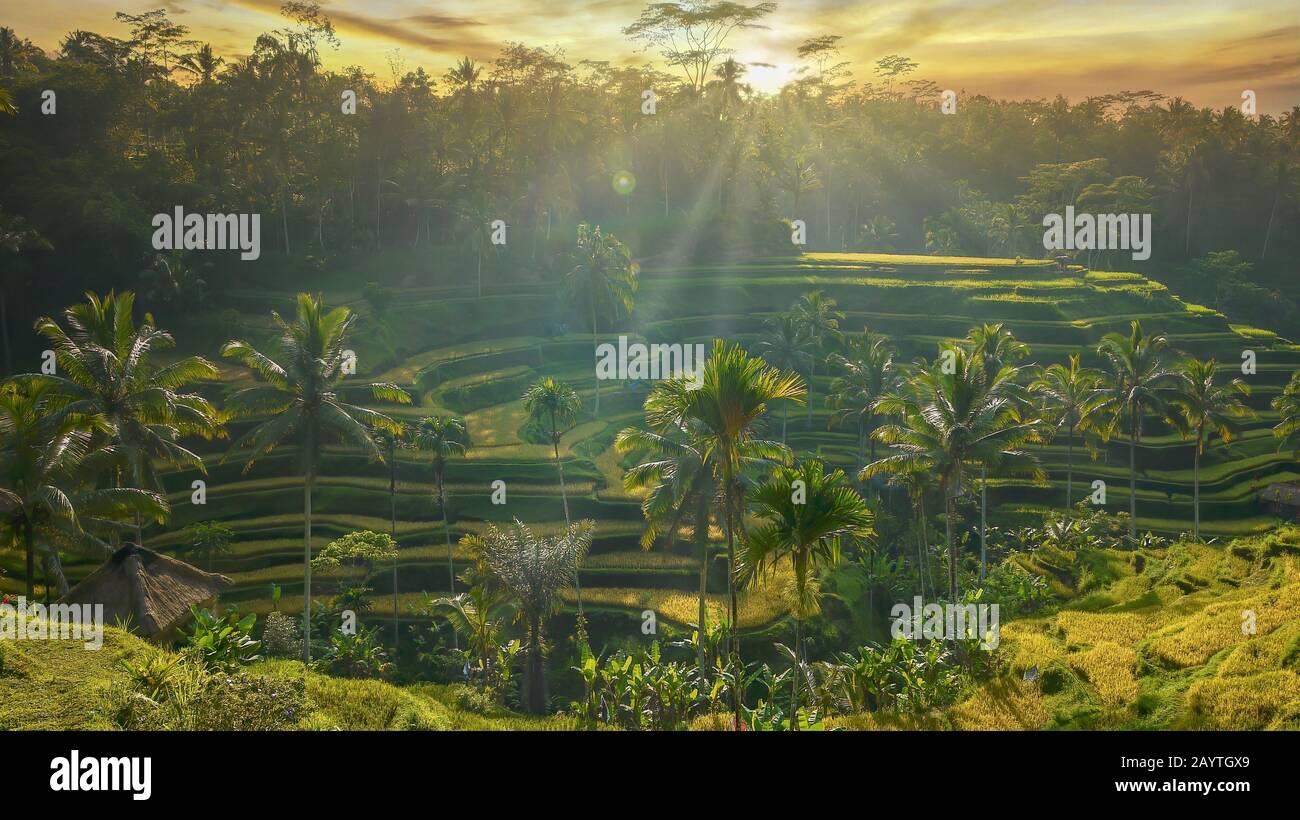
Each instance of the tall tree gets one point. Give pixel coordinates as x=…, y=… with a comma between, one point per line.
x=820, y=316
x=949, y=423
x=48, y=463
x=807, y=513
x=300, y=400
x=787, y=346
x=604, y=278
x=1066, y=392
x=444, y=438
x=107, y=367
x=535, y=569
x=721, y=414
x=1204, y=407
x=1140, y=376
x=555, y=404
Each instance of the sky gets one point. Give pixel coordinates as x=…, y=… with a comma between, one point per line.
x=1207, y=51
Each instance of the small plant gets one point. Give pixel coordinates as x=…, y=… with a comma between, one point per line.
x=281, y=637
x=223, y=642
x=359, y=655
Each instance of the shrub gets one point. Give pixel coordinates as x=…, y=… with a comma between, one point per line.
x=354, y=656
x=281, y=637
x=223, y=642
x=180, y=694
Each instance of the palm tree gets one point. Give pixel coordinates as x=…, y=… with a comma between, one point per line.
x=444, y=437
x=868, y=375
x=1066, y=393
x=808, y=534
x=1287, y=406
x=949, y=423
x=474, y=615
x=604, y=277
x=535, y=569
x=45, y=460
x=721, y=413
x=106, y=368
x=680, y=489
x=821, y=319
x=300, y=398
x=786, y=346
x=1204, y=408
x=556, y=405
x=389, y=442
x=1140, y=376
x=997, y=347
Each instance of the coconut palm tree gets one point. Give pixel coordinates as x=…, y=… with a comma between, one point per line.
x=868, y=374
x=998, y=348
x=47, y=463
x=1202, y=408
x=949, y=423
x=1066, y=392
x=681, y=489
x=535, y=570
x=1287, y=406
x=807, y=532
x=444, y=437
x=300, y=399
x=107, y=368
x=390, y=442
x=786, y=346
x=603, y=277
x=1140, y=377
x=720, y=413
x=556, y=405
x=820, y=317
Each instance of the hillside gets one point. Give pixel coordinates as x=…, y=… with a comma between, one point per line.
x=1156, y=643
x=473, y=358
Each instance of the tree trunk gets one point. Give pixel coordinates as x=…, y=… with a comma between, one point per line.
x=1132, y=481
x=284, y=219
x=564, y=498
x=1268, y=229
x=1069, y=470
x=392, y=532
x=480, y=272
x=536, y=701
x=812, y=372
x=950, y=512
x=446, y=532
x=794, y=681
x=984, y=509
x=785, y=416
x=1196, y=488
x=306, y=551
x=702, y=541
x=733, y=604
x=30, y=547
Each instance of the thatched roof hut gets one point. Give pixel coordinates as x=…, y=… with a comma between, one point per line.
x=149, y=590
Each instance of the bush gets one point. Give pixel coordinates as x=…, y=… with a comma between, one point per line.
x=180, y=694
x=281, y=637
x=223, y=642
x=354, y=656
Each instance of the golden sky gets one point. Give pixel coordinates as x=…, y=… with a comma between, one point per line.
x=1207, y=51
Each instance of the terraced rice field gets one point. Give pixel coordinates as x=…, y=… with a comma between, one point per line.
x=474, y=358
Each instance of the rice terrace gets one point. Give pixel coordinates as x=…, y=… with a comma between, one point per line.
x=775, y=382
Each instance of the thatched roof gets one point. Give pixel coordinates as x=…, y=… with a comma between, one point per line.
x=150, y=590
x=1282, y=494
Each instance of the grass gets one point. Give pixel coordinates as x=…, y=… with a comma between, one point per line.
x=60, y=686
